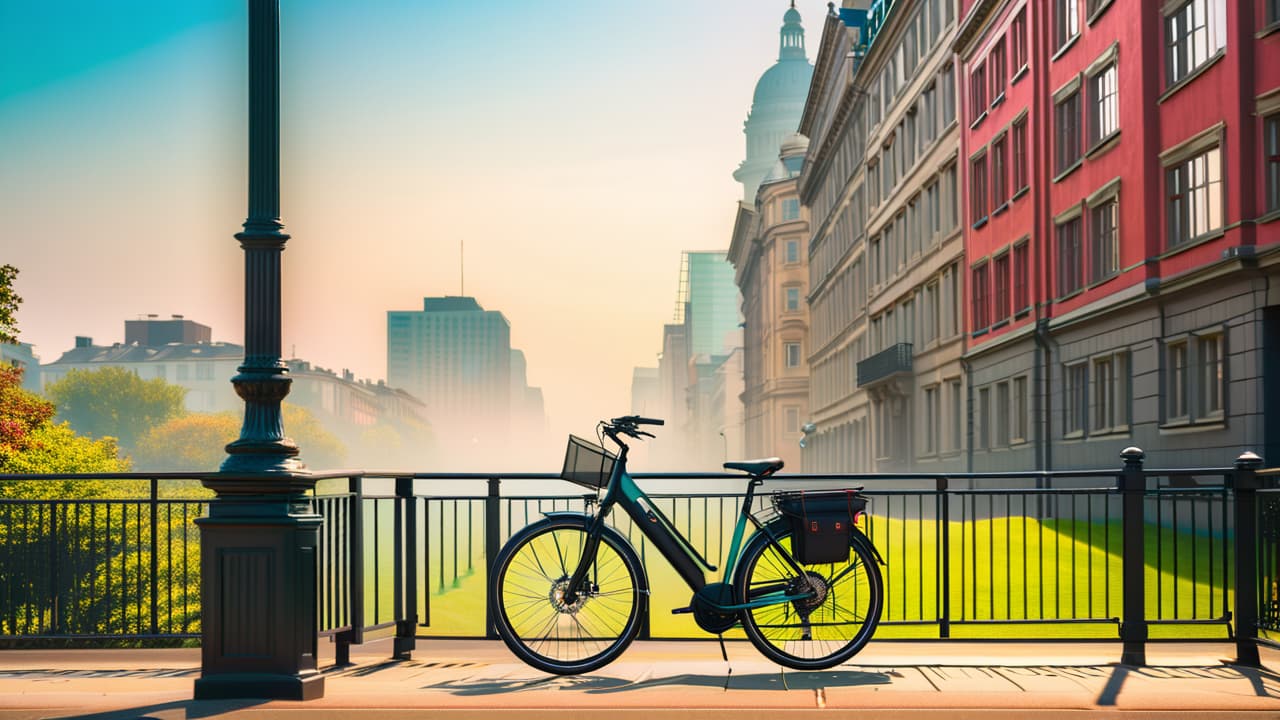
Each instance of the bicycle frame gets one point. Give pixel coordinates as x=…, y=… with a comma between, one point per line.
x=688, y=563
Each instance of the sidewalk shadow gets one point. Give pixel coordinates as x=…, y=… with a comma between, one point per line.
x=596, y=685
x=1264, y=682
x=190, y=710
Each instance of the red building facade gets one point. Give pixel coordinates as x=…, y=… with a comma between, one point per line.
x=1121, y=163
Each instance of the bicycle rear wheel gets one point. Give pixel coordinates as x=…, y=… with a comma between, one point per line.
x=530, y=611
x=818, y=632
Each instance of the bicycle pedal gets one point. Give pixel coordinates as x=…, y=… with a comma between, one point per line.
x=682, y=611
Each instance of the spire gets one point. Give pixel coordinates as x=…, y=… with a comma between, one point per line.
x=791, y=40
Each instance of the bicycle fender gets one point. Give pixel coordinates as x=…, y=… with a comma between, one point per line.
x=871, y=545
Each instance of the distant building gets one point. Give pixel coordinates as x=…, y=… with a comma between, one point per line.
x=457, y=357
x=776, y=105
x=23, y=357
x=203, y=368
x=646, y=392
x=771, y=257
x=153, y=332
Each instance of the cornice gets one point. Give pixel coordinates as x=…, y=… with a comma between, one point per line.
x=973, y=25
x=821, y=70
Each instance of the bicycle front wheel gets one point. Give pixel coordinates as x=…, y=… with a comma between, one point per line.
x=820, y=631
x=533, y=616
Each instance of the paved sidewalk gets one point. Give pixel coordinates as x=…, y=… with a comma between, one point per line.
x=481, y=679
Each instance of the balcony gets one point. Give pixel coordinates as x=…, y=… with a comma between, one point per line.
x=885, y=365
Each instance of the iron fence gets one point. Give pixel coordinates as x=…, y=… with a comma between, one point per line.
x=1132, y=554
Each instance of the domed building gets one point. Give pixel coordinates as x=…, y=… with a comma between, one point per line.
x=776, y=105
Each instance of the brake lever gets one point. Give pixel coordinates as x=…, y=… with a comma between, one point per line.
x=646, y=434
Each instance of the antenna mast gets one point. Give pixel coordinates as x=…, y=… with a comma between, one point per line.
x=462, y=266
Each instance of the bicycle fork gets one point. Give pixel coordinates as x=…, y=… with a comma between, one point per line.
x=594, y=532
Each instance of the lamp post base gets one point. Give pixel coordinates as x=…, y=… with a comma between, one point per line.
x=307, y=686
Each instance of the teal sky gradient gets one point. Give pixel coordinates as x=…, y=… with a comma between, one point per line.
x=576, y=147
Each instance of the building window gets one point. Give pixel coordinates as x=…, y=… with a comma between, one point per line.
x=1019, y=133
x=955, y=412
x=1002, y=415
x=1069, y=260
x=932, y=313
x=1211, y=376
x=1177, y=380
x=1018, y=35
x=1018, y=431
x=1067, y=131
x=1021, y=278
x=983, y=421
x=1075, y=405
x=981, y=299
x=1104, y=113
x=999, y=164
x=1195, y=197
x=1110, y=393
x=978, y=189
x=204, y=371
x=1194, y=34
x=793, y=299
x=1271, y=145
x=1104, y=246
x=931, y=418
x=791, y=209
x=791, y=353
x=792, y=419
x=1000, y=294
x=999, y=72
x=950, y=198
x=184, y=371
x=978, y=93
x=948, y=94
x=1273, y=11
x=793, y=251
x=1066, y=21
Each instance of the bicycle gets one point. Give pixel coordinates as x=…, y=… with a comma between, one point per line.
x=569, y=591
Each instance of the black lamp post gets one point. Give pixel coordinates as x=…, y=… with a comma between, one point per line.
x=259, y=540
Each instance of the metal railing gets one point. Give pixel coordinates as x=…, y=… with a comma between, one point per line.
x=1130, y=554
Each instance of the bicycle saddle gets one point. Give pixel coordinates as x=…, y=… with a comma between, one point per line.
x=758, y=468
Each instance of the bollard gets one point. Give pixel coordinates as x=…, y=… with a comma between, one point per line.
x=1246, y=484
x=1133, y=625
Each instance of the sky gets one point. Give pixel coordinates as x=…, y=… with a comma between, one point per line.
x=575, y=148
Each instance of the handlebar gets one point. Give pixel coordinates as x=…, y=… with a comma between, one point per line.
x=629, y=425
x=636, y=420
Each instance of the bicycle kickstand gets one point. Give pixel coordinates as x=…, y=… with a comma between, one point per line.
x=725, y=654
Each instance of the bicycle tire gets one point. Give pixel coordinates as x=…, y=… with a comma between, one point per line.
x=533, y=620
x=838, y=623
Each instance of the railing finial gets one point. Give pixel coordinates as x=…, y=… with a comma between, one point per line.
x=1249, y=460
x=1133, y=455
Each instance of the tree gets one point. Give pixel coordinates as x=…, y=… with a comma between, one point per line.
x=194, y=442
x=115, y=402
x=321, y=449
x=9, y=302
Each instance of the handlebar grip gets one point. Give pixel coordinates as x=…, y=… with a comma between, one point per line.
x=648, y=421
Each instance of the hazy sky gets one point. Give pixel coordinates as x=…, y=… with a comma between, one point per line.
x=577, y=147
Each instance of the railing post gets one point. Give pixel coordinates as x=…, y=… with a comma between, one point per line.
x=1133, y=625
x=492, y=546
x=355, y=573
x=1246, y=484
x=406, y=571
x=944, y=558
x=155, y=557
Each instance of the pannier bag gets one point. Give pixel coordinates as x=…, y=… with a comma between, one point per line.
x=821, y=522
